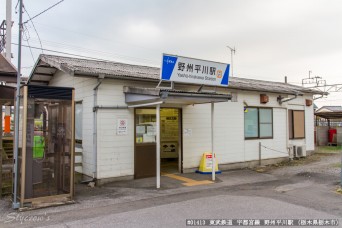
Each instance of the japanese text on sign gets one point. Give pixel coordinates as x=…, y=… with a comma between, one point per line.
x=262, y=222
x=121, y=128
x=188, y=70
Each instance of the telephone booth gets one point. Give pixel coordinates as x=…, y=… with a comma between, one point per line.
x=46, y=146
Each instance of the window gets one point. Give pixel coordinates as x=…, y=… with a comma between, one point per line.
x=78, y=122
x=258, y=123
x=296, y=124
x=145, y=125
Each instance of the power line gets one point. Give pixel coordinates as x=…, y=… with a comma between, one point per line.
x=43, y=11
x=34, y=27
x=16, y=6
x=91, y=51
x=61, y=52
x=97, y=37
x=27, y=37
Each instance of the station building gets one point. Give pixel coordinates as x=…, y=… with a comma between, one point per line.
x=255, y=121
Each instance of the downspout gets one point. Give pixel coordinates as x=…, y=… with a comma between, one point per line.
x=99, y=81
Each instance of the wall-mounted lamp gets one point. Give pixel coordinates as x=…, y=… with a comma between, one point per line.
x=308, y=102
x=264, y=99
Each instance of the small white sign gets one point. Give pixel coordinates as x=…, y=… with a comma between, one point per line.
x=187, y=132
x=208, y=161
x=121, y=128
x=151, y=130
x=140, y=129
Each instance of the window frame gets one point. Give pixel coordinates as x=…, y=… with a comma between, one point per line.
x=79, y=142
x=292, y=124
x=258, y=137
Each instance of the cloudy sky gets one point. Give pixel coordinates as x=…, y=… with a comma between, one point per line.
x=273, y=38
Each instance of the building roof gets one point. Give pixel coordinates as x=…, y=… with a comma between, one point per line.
x=330, y=112
x=329, y=115
x=8, y=72
x=315, y=106
x=6, y=95
x=330, y=109
x=47, y=65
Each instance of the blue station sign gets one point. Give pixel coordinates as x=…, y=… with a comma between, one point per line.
x=196, y=71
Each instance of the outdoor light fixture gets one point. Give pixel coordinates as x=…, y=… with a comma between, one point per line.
x=308, y=102
x=264, y=98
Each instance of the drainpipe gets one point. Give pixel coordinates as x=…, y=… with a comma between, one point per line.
x=99, y=81
x=110, y=107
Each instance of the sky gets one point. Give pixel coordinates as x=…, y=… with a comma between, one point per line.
x=272, y=38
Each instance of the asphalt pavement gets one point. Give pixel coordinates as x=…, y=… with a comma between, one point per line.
x=298, y=190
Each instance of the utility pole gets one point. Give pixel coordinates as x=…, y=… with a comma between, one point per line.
x=232, y=51
x=15, y=204
x=8, y=43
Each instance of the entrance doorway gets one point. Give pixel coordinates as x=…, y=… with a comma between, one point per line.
x=145, y=141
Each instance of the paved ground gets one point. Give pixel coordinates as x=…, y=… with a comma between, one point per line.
x=300, y=189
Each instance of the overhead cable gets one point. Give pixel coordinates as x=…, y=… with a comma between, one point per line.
x=43, y=11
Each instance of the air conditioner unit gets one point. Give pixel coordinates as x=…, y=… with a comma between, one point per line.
x=300, y=151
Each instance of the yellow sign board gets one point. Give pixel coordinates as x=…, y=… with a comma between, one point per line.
x=207, y=164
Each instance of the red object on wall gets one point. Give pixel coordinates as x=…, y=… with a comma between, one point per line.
x=308, y=102
x=263, y=98
x=332, y=132
x=7, y=124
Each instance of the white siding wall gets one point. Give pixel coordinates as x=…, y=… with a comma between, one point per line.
x=230, y=143
x=228, y=132
x=196, y=118
x=83, y=92
x=115, y=153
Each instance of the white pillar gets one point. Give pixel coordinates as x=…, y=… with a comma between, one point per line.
x=8, y=53
x=212, y=142
x=158, y=144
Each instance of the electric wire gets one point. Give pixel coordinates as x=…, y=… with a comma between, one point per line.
x=34, y=27
x=61, y=52
x=26, y=37
x=98, y=37
x=43, y=11
x=92, y=51
x=15, y=8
